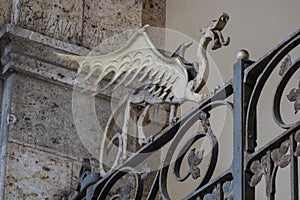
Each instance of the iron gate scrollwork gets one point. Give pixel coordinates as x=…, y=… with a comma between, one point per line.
x=250, y=164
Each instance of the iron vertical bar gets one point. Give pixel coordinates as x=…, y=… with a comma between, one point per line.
x=220, y=195
x=294, y=170
x=238, y=164
x=250, y=136
x=270, y=178
x=5, y=107
x=240, y=176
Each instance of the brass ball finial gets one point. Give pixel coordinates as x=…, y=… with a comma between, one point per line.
x=243, y=54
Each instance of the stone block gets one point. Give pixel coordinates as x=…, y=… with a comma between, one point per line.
x=45, y=118
x=58, y=19
x=154, y=13
x=33, y=174
x=5, y=11
x=108, y=17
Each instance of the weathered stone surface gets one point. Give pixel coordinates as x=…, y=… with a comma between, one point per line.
x=5, y=11
x=33, y=174
x=32, y=38
x=108, y=17
x=45, y=118
x=154, y=13
x=58, y=19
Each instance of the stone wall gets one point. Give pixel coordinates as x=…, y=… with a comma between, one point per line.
x=88, y=22
x=5, y=11
x=44, y=151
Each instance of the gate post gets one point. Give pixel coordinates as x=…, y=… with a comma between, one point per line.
x=241, y=188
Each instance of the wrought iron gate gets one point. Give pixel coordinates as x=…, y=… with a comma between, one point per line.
x=250, y=165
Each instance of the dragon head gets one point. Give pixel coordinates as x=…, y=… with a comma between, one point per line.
x=213, y=32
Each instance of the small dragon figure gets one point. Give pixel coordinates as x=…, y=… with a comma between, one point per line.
x=163, y=79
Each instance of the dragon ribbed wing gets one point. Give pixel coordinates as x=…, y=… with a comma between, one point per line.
x=138, y=60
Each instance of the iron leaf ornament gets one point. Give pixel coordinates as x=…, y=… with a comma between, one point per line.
x=212, y=195
x=279, y=155
x=294, y=96
x=268, y=166
x=194, y=160
x=228, y=190
x=297, y=139
x=285, y=65
x=259, y=168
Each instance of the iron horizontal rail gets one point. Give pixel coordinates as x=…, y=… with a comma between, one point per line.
x=275, y=143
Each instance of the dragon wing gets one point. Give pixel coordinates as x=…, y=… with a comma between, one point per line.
x=137, y=59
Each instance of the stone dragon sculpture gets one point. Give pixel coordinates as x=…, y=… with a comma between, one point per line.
x=163, y=79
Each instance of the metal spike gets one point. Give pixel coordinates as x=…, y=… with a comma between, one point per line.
x=159, y=78
x=163, y=95
x=135, y=75
x=181, y=49
x=168, y=88
x=156, y=81
x=152, y=88
x=170, y=96
x=123, y=79
x=171, y=73
x=166, y=80
x=145, y=74
x=116, y=76
x=174, y=79
x=157, y=91
x=164, y=83
x=154, y=73
x=166, y=91
x=103, y=74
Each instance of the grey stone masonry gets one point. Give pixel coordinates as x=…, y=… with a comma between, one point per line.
x=88, y=22
x=5, y=12
x=41, y=152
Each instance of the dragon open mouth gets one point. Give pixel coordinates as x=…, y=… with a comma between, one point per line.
x=216, y=27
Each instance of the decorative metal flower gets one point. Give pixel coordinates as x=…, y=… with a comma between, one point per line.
x=227, y=190
x=263, y=167
x=285, y=65
x=259, y=168
x=294, y=96
x=194, y=160
x=211, y=196
x=279, y=155
x=297, y=139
